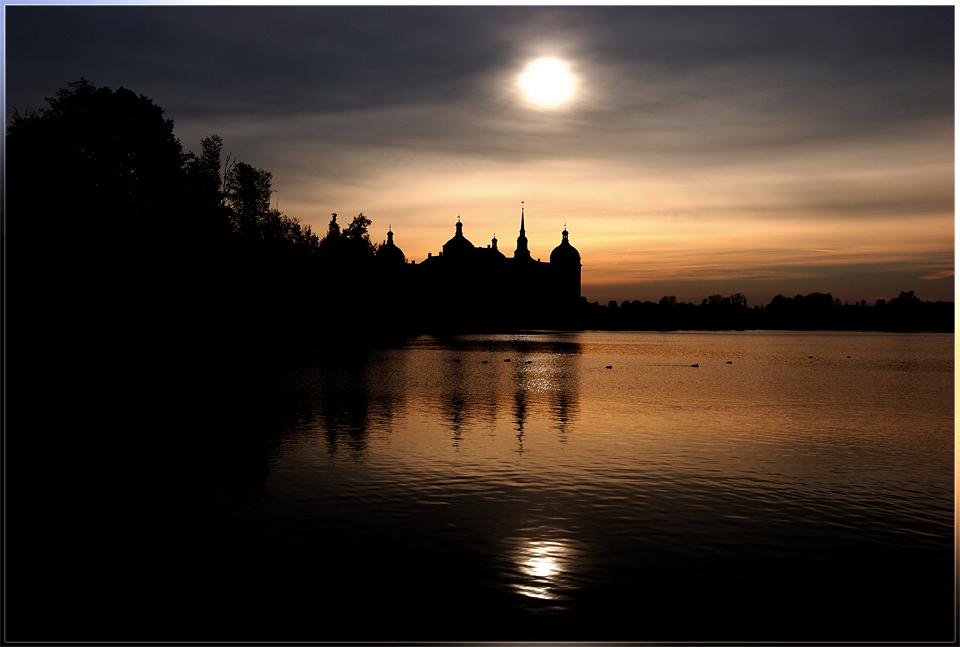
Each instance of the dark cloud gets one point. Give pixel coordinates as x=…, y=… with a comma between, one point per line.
x=281, y=60
x=276, y=60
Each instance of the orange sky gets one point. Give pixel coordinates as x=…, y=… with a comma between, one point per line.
x=880, y=213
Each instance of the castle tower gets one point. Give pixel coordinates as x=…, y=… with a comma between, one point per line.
x=565, y=265
x=389, y=252
x=458, y=246
x=522, y=252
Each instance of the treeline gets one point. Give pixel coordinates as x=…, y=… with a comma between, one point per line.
x=120, y=238
x=815, y=311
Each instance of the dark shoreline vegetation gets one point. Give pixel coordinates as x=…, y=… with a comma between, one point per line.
x=152, y=295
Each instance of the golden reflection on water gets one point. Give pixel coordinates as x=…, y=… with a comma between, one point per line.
x=543, y=566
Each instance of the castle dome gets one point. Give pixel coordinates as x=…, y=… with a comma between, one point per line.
x=390, y=253
x=458, y=244
x=565, y=253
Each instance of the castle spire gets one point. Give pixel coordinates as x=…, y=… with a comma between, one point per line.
x=522, y=251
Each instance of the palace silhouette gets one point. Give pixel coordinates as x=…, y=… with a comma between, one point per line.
x=466, y=286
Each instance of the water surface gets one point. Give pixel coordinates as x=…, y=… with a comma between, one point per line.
x=599, y=486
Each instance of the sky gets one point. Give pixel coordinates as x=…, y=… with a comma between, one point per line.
x=702, y=150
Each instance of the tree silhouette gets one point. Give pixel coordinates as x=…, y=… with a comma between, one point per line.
x=905, y=298
x=333, y=229
x=248, y=191
x=204, y=172
x=357, y=237
x=98, y=179
x=209, y=216
x=351, y=246
x=110, y=152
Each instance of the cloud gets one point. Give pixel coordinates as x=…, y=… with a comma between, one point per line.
x=261, y=60
x=936, y=276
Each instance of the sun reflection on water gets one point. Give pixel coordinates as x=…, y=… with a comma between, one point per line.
x=543, y=566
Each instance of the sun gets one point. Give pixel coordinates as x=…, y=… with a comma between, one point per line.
x=547, y=82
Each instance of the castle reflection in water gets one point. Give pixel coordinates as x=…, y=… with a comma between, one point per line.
x=501, y=382
x=480, y=287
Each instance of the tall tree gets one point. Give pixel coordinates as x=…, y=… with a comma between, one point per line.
x=357, y=236
x=248, y=194
x=102, y=175
x=108, y=153
x=330, y=244
x=204, y=171
x=333, y=229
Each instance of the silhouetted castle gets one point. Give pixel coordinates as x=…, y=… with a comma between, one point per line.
x=480, y=287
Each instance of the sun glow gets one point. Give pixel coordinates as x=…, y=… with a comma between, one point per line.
x=547, y=82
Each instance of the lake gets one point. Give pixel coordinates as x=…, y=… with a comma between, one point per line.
x=626, y=486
